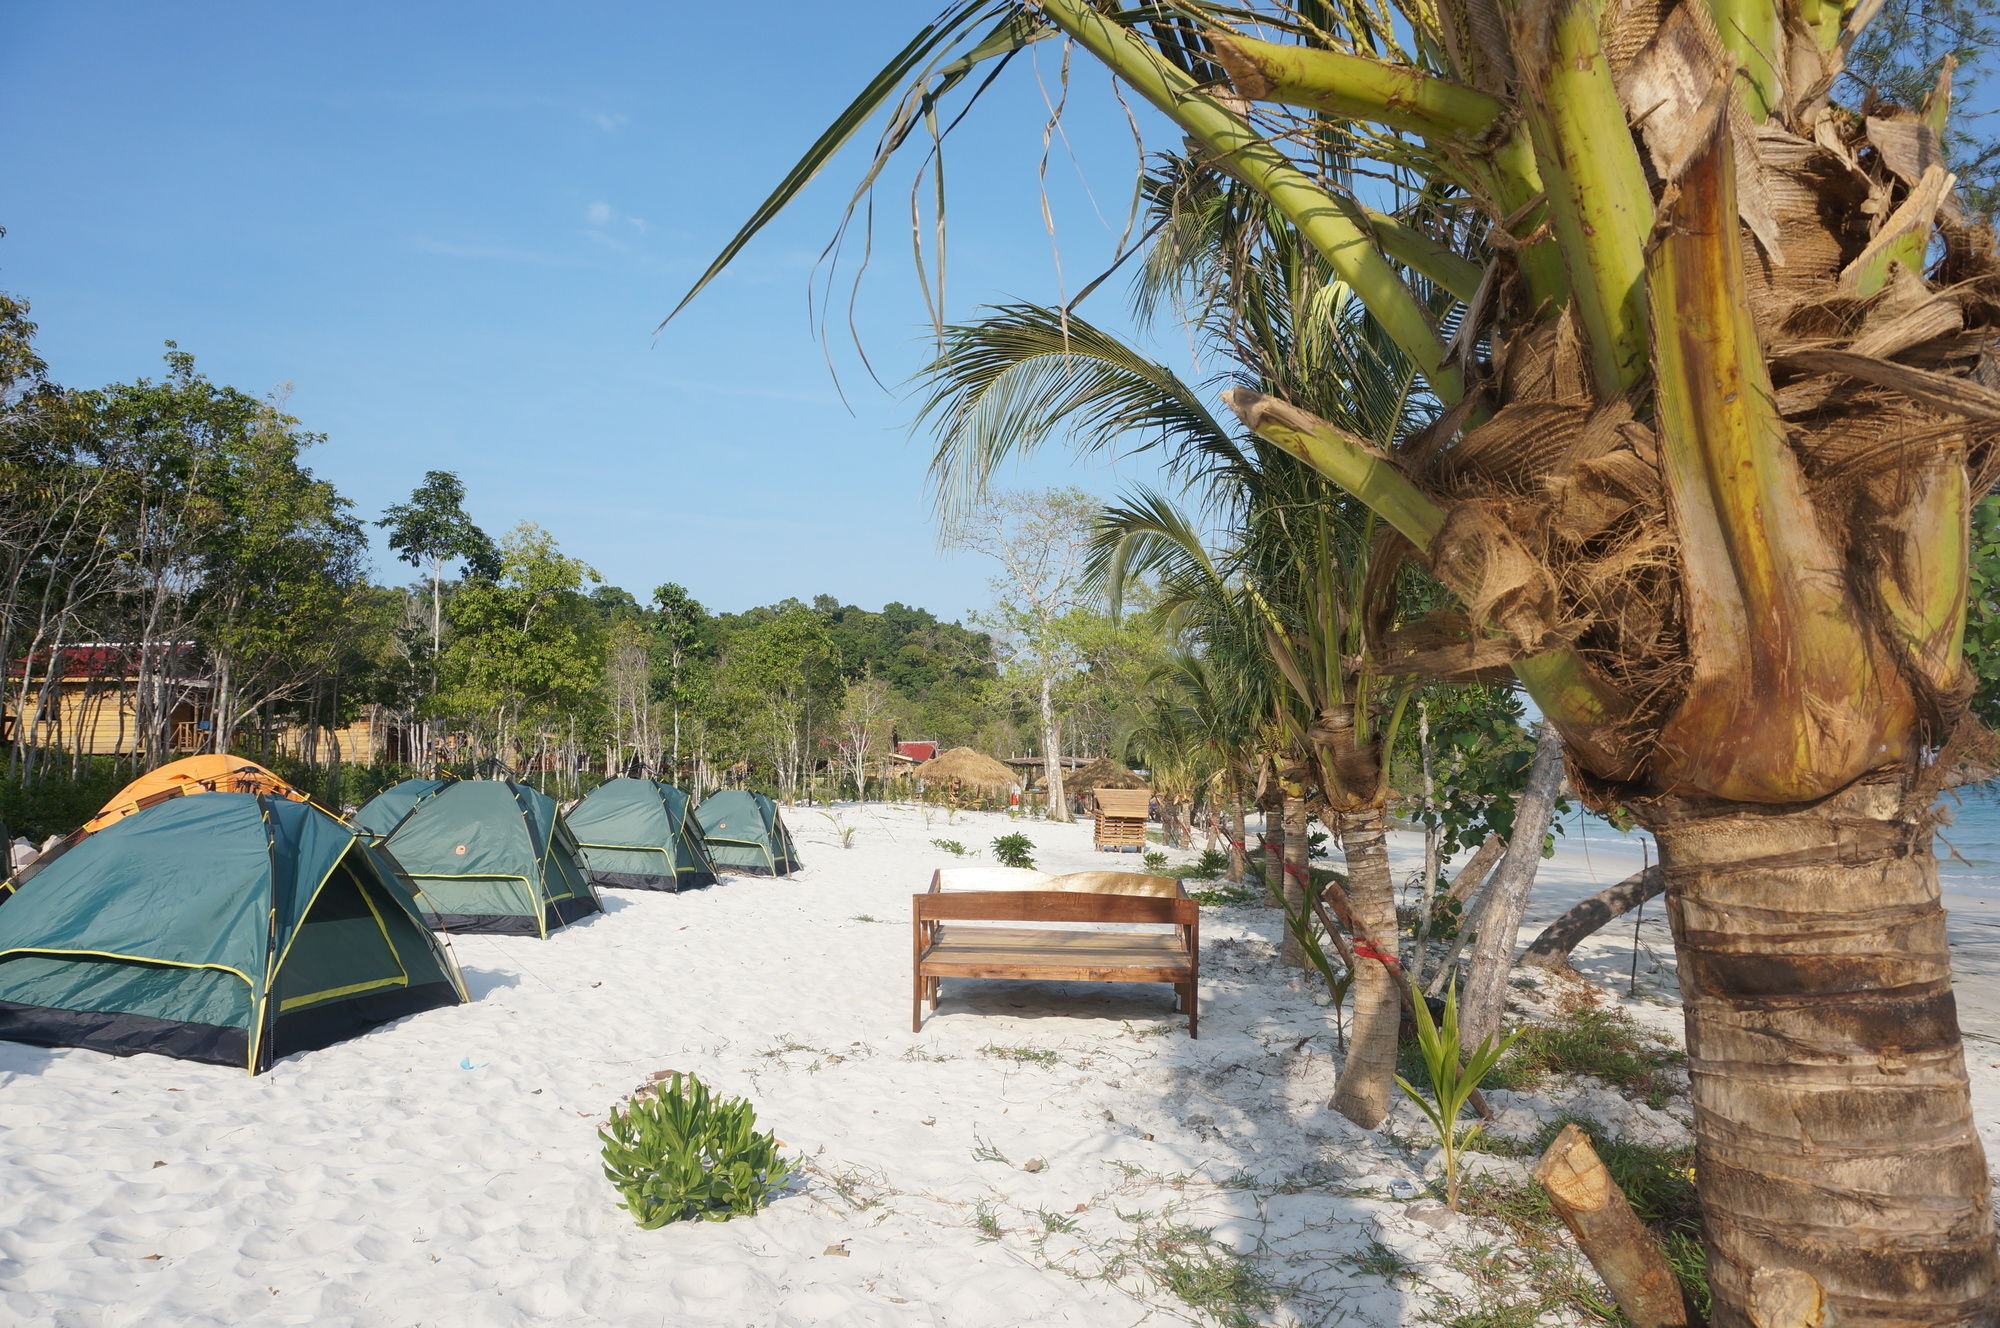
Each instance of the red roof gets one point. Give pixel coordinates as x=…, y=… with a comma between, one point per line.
x=917, y=751
x=96, y=661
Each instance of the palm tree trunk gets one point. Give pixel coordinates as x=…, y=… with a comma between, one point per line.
x=1833, y=1120
x=1296, y=876
x=1237, y=863
x=1271, y=842
x=1367, y=1077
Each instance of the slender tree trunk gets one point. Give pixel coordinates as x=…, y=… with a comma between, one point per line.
x=1237, y=862
x=1052, y=775
x=1485, y=996
x=1468, y=877
x=1833, y=1118
x=1587, y=917
x=1367, y=1077
x=1297, y=875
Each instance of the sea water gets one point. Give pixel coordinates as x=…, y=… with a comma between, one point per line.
x=1968, y=842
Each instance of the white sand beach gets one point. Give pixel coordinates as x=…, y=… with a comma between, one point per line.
x=1023, y=1160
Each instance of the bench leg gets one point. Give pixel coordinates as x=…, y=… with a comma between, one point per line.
x=916, y=1004
x=936, y=990
x=1191, y=1003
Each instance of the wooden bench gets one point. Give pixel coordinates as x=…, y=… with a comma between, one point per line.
x=1056, y=953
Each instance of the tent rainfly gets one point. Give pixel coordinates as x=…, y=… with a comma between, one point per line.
x=745, y=833
x=381, y=814
x=211, y=772
x=493, y=856
x=234, y=929
x=967, y=769
x=641, y=834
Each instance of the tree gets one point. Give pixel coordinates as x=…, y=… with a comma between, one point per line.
x=432, y=531
x=1039, y=541
x=777, y=674
x=527, y=650
x=1708, y=436
x=676, y=624
x=863, y=728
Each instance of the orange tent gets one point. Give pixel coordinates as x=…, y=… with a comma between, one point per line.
x=213, y=772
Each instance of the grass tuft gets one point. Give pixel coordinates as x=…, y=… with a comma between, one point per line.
x=1023, y=1055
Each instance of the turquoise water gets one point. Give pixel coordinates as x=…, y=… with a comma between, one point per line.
x=1968, y=848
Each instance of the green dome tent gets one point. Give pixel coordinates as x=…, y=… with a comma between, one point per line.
x=746, y=834
x=381, y=814
x=233, y=928
x=492, y=856
x=641, y=834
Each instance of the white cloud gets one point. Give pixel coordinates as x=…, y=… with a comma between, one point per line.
x=607, y=123
x=600, y=214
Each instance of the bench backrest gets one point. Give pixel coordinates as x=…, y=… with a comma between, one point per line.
x=960, y=879
x=1050, y=906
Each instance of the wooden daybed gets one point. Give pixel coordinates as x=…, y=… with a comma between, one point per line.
x=953, y=935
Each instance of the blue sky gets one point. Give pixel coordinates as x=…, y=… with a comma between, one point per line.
x=451, y=229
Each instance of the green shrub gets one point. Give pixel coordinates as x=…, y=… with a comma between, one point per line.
x=56, y=804
x=1014, y=850
x=1156, y=862
x=678, y=1153
x=951, y=846
x=1210, y=866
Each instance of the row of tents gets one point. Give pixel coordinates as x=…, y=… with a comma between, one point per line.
x=249, y=924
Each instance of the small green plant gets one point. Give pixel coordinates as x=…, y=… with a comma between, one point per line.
x=1155, y=861
x=1023, y=1055
x=1059, y=1222
x=678, y=1153
x=1210, y=866
x=1226, y=894
x=984, y=1151
x=1015, y=850
x=846, y=832
x=1604, y=1043
x=951, y=846
x=1316, y=844
x=1214, y=1281
x=986, y=1223
x=1379, y=1260
x=1452, y=1080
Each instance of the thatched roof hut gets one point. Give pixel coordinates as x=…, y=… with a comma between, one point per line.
x=1101, y=773
x=968, y=769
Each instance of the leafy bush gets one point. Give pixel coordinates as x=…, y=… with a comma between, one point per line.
x=56, y=805
x=1210, y=866
x=951, y=846
x=1316, y=844
x=679, y=1153
x=1014, y=850
x=1156, y=862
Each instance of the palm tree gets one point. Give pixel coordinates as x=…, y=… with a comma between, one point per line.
x=1712, y=426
